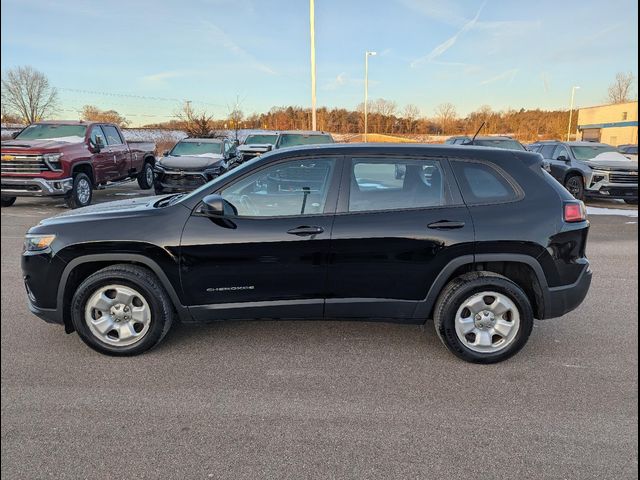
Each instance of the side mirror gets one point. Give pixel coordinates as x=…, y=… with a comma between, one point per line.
x=562, y=158
x=97, y=145
x=165, y=153
x=216, y=206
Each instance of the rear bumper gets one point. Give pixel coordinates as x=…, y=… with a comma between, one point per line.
x=562, y=300
x=35, y=187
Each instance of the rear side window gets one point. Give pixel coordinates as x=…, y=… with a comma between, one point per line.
x=113, y=137
x=396, y=184
x=482, y=184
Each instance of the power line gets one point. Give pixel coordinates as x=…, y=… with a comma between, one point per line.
x=130, y=95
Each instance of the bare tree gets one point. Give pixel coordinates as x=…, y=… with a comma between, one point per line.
x=411, y=114
x=26, y=92
x=620, y=89
x=196, y=124
x=235, y=116
x=446, y=116
x=92, y=113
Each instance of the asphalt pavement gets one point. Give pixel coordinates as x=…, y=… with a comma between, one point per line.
x=293, y=400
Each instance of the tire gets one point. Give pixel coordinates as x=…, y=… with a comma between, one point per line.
x=158, y=189
x=150, y=310
x=8, y=201
x=628, y=202
x=145, y=177
x=575, y=185
x=477, y=287
x=82, y=192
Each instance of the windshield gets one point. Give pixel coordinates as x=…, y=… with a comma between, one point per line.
x=591, y=151
x=261, y=140
x=196, y=149
x=295, y=139
x=500, y=143
x=49, y=131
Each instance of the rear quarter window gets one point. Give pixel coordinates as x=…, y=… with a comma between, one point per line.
x=482, y=183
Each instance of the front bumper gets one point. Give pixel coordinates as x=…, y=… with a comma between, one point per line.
x=49, y=315
x=614, y=184
x=562, y=300
x=35, y=187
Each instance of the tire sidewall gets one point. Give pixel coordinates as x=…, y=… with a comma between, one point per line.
x=448, y=312
x=8, y=201
x=89, y=286
x=74, y=201
x=580, y=180
x=142, y=178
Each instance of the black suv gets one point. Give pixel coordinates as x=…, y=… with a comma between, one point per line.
x=481, y=240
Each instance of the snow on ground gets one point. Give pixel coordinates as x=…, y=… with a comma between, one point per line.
x=612, y=211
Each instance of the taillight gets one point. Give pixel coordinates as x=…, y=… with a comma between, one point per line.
x=575, y=212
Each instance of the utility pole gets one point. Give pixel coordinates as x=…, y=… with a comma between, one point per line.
x=367, y=54
x=312, y=25
x=573, y=96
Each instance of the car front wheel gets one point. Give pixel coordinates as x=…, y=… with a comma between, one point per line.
x=8, y=201
x=81, y=193
x=483, y=317
x=575, y=186
x=145, y=177
x=121, y=310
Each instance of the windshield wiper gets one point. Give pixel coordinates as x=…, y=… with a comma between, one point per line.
x=170, y=200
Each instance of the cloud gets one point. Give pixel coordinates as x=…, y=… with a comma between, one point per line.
x=450, y=42
x=221, y=39
x=510, y=74
x=444, y=11
x=161, y=77
x=340, y=80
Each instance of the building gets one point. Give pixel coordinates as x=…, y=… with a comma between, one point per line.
x=615, y=124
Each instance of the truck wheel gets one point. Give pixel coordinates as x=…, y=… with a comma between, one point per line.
x=121, y=310
x=82, y=192
x=575, y=185
x=145, y=177
x=483, y=317
x=8, y=201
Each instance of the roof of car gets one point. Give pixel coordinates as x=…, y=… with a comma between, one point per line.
x=494, y=137
x=202, y=140
x=585, y=144
x=302, y=132
x=70, y=122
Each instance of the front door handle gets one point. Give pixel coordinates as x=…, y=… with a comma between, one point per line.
x=305, y=231
x=446, y=225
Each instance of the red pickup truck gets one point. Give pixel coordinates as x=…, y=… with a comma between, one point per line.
x=71, y=159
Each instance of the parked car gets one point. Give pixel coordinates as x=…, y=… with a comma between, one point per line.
x=298, y=138
x=192, y=162
x=256, y=144
x=483, y=245
x=487, y=141
x=592, y=170
x=630, y=151
x=71, y=159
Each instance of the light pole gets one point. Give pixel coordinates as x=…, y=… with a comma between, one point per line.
x=367, y=54
x=312, y=25
x=573, y=96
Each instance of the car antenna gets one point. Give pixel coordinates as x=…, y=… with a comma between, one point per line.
x=474, y=137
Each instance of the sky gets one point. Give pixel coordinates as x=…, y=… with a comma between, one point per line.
x=143, y=58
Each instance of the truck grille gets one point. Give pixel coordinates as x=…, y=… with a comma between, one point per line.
x=623, y=178
x=23, y=164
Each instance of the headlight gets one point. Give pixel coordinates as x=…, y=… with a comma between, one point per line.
x=38, y=243
x=53, y=159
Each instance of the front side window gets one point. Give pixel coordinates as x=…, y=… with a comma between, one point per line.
x=561, y=151
x=113, y=137
x=293, y=188
x=482, y=184
x=547, y=151
x=395, y=184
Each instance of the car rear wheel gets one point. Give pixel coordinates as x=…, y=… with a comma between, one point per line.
x=8, y=201
x=122, y=310
x=575, y=186
x=145, y=177
x=82, y=192
x=483, y=317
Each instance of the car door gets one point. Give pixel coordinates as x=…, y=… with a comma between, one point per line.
x=393, y=234
x=560, y=162
x=546, y=150
x=101, y=161
x=269, y=259
x=119, y=152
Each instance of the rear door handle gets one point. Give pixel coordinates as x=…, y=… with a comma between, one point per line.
x=305, y=231
x=446, y=225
